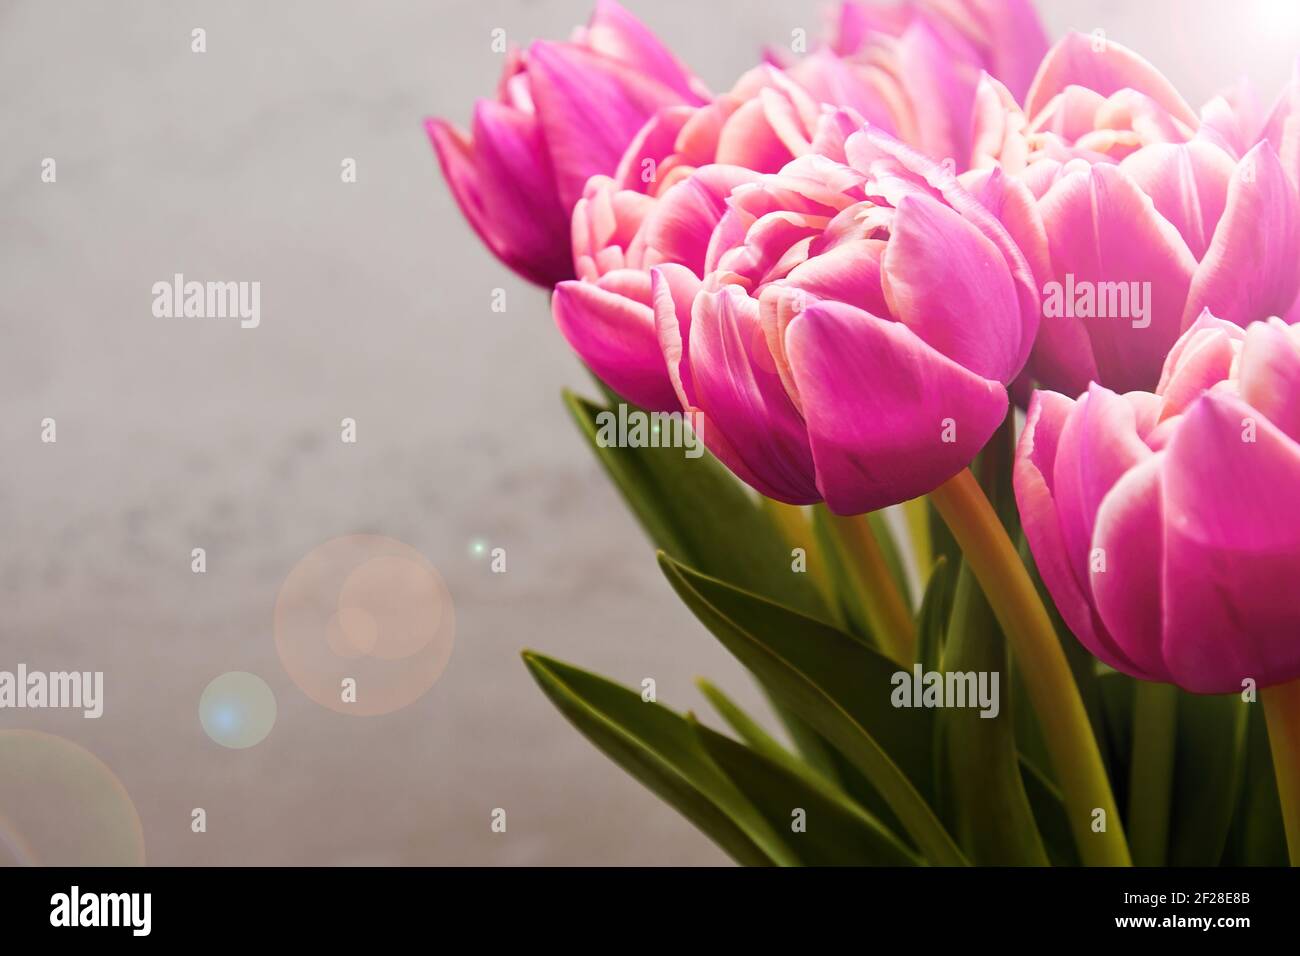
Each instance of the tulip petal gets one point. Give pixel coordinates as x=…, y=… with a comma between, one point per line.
x=679, y=227
x=1015, y=41
x=1107, y=240
x=1188, y=182
x=1127, y=580
x=615, y=335
x=1034, y=482
x=501, y=180
x=888, y=417
x=1202, y=357
x=672, y=294
x=1232, y=549
x=942, y=96
x=1269, y=374
x=751, y=424
x=617, y=34
x=1252, y=268
x=950, y=285
x=1105, y=67
x=590, y=107
x=1097, y=445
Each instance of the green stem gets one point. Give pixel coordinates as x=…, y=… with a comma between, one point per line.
x=793, y=523
x=1282, y=712
x=1052, y=691
x=917, y=515
x=888, y=616
x=1151, y=772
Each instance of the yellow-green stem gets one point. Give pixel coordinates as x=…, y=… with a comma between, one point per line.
x=795, y=526
x=917, y=515
x=1282, y=712
x=890, y=620
x=1052, y=691
x=1151, y=772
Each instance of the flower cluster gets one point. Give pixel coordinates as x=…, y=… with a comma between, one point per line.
x=850, y=265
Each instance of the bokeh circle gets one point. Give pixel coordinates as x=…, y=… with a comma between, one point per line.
x=364, y=624
x=237, y=710
x=60, y=805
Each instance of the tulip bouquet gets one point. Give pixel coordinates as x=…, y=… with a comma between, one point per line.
x=995, y=353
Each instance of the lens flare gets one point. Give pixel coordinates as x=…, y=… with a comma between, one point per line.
x=237, y=710
x=364, y=624
x=60, y=805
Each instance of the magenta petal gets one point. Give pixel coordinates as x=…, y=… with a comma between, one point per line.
x=1103, y=229
x=590, y=107
x=617, y=34
x=615, y=335
x=1232, y=549
x=1036, y=500
x=750, y=422
x=1015, y=38
x=682, y=222
x=1075, y=61
x=1202, y=357
x=889, y=418
x=673, y=289
x=942, y=95
x=1282, y=128
x=950, y=285
x=1188, y=182
x=1269, y=374
x=1098, y=444
x=501, y=180
x=1127, y=579
x=1252, y=268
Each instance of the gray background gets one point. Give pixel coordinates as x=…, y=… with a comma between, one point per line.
x=176, y=434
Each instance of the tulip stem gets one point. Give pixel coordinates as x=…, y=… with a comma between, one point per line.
x=917, y=514
x=888, y=617
x=1151, y=771
x=795, y=527
x=1038, y=653
x=1282, y=713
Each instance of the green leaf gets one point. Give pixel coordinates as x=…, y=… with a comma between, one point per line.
x=659, y=748
x=1051, y=816
x=893, y=558
x=696, y=510
x=1118, y=696
x=745, y=726
x=1257, y=836
x=992, y=814
x=932, y=619
x=839, y=686
x=1209, y=762
x=836, y=831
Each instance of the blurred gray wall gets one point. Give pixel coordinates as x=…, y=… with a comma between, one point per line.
x=375, y=299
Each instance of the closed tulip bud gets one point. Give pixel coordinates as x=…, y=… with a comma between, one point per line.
x=564, y=112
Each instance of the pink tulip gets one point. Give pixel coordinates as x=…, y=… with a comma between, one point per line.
x=931, y=55
x=858, y=319
x=657, y=210
x=1164, y=524
x=563, y=113
x=1133, y=216
x=618, y=235
x=767, y=119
